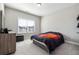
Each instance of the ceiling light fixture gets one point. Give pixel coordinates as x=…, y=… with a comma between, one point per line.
x=39, y=4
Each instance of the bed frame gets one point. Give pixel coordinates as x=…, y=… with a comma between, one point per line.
x=42, y=45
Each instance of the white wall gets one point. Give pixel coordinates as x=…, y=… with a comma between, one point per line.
x=1, y=6
x=11, y=20
x=2, y=10
x=63, y=21
x=0, y=17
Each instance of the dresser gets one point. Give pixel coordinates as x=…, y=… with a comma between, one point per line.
x=7, y=43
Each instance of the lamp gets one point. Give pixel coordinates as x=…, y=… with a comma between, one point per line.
x=39, y=4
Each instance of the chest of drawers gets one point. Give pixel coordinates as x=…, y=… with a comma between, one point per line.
x=7, y=43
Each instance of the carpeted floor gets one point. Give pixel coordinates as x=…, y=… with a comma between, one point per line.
x=26, y=47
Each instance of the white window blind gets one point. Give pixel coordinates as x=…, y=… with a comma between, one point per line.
x=26, y=26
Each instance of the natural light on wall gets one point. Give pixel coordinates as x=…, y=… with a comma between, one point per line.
x=26, y=26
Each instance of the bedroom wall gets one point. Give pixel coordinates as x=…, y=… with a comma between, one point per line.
x=2, y=14
x=63, y=21
x=0, y=19
x=11, y=20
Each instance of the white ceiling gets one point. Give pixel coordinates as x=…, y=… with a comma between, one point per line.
x=43, y=10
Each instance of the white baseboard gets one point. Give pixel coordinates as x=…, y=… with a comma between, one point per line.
x=72, y=42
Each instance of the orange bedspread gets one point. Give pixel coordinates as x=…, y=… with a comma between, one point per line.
x=50, y=36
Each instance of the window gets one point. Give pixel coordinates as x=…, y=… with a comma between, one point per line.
x=26, y=26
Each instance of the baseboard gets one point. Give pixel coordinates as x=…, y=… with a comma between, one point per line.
x=72, y=42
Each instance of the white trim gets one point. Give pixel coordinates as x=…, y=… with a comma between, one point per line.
x=72, y=42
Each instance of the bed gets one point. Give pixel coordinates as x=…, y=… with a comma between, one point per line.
x=48, y=42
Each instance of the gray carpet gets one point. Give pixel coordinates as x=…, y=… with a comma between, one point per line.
x=26, y=47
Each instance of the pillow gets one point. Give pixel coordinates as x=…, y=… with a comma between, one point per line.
x=50, y=36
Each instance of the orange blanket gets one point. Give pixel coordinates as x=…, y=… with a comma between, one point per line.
x=50, y=36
